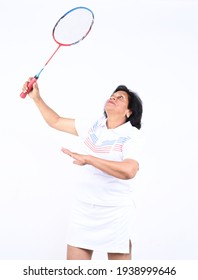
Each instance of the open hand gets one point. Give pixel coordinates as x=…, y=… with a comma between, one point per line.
x=79, y=159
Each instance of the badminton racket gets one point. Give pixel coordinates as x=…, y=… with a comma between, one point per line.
x=69, y=30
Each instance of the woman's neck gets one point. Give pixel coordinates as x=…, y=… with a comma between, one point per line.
x=113, y=122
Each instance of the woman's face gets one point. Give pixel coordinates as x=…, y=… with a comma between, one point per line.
x=118, y=103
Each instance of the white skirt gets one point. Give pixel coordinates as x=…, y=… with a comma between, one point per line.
x=101, y=228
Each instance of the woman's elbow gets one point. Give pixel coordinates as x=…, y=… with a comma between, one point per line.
x=130, y=175
x=131, y=172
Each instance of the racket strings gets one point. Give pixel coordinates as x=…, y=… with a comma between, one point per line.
x=73, y=27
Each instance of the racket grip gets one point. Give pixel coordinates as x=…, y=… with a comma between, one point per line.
x=29, y=88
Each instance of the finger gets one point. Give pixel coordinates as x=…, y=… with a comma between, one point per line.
x=78, y=162
x=25, y=85
x=66, y=151
x=35, y=85
x=28, y=80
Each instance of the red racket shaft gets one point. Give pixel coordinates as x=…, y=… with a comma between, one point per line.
x=29, y=88
x=30, y=84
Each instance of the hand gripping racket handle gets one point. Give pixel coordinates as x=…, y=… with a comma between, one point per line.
x=29, y=88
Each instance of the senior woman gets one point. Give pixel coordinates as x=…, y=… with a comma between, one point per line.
x=103, y=210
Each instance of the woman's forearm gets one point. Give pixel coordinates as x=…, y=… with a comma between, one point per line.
x=53, y=119
x=126, y=169
x=49, y=115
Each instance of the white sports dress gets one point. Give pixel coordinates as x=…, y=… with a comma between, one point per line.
x=102, y=215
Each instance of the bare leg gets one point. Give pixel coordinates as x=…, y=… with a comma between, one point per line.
x=119, y=256
x=75, y=253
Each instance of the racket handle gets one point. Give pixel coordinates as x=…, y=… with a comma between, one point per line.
x=29, y=88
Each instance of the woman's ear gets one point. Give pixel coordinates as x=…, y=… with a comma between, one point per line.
x=128, y=114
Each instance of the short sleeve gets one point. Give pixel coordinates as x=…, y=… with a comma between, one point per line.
x=83, y=125
x=132, y=149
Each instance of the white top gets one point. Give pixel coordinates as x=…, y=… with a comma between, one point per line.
x=116, y=144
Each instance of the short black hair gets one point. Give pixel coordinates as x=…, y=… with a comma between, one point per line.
x=135, y=105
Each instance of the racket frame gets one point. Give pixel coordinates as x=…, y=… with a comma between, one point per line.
x=31, y=82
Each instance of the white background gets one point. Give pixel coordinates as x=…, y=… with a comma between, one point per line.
x=150, y=46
